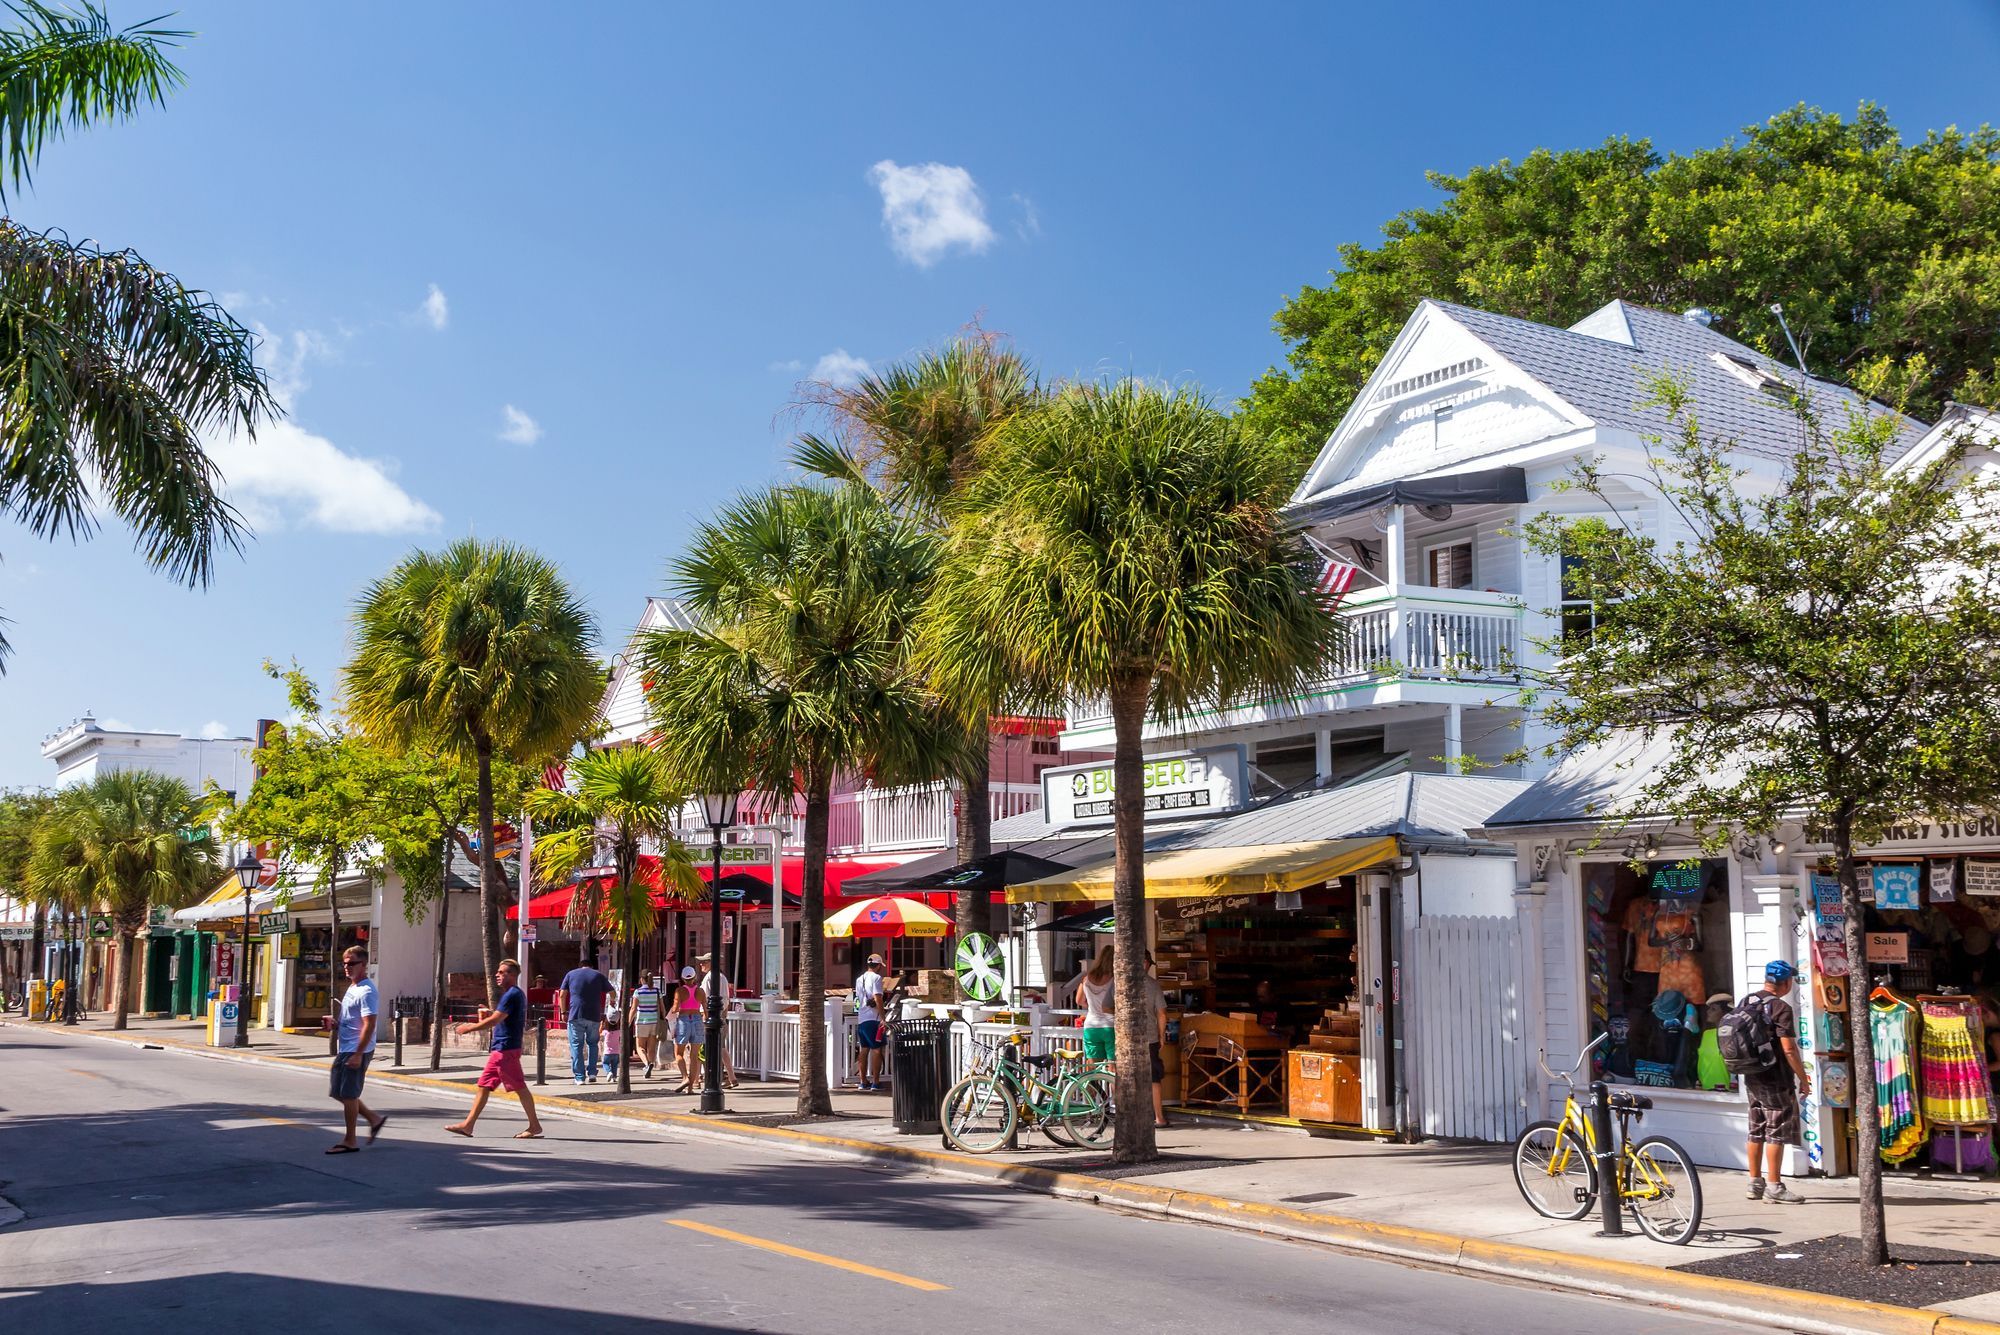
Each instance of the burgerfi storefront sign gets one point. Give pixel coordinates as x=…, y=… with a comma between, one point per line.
x=1206, y=782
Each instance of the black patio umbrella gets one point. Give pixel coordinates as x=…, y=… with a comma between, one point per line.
x=1096, y=918
x=995, y=871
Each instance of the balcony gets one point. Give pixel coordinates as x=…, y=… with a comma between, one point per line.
x=1444, y=636
x=875, y=820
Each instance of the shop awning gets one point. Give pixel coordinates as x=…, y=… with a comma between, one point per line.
x=549, y=904
x=1487, y=486
x=227, y=902
x=1193, y=873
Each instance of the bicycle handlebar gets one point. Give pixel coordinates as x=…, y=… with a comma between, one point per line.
x=1569, y=1077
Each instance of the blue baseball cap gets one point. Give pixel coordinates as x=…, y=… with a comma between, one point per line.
x=1779, y=971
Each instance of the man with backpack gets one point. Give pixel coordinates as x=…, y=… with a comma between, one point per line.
x=1758, y=1041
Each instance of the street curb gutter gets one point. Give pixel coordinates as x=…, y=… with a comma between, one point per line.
x=1732, y=1300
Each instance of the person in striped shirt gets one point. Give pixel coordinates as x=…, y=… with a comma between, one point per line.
x=646, y=1021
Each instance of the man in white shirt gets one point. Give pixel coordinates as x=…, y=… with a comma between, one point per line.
x=712, y=980
x=358, y=1008
x=868, y=990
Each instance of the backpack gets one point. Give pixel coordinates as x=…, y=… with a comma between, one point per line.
x=1744, y=1037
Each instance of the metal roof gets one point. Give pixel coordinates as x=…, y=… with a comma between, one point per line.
x=1592, y=786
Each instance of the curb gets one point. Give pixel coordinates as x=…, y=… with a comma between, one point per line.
x=1734, y=1300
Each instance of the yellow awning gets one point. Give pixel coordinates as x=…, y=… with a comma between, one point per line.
x=1194, y=873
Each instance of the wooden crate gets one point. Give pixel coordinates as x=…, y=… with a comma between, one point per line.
x=1204, y=1027
x=1324, y=1087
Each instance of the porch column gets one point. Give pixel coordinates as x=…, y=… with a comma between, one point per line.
x=1399, y=619
x=1454, y=734
x=1323, y=755
x=1394, y=542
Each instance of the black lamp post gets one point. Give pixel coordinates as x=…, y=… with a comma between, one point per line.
x=247, y=870
x=720, y=810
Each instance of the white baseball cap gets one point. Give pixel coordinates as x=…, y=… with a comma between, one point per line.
x=687, y=971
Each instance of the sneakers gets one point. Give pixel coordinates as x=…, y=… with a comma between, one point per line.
x=1756, y=1192
x=1783, y=1195
x=649, y=1070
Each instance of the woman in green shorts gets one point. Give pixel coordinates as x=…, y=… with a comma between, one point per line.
x=1095, y=993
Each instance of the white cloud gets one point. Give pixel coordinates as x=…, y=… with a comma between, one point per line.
x=517, y=428
x=791, y=365
x=115, y=725
x=930, y=209
x=214, y=728
x=1028, y=225
x=288, y=475
x=435, y=310
x=839, y=368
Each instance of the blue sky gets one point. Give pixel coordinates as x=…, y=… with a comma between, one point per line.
x=644, y=224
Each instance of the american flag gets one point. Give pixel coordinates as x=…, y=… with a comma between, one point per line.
x=555, y=776
x=1335, y=577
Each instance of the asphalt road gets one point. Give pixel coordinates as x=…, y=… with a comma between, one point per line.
x=163, y=1191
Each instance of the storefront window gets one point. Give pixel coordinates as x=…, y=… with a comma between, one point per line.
x=1657, y=948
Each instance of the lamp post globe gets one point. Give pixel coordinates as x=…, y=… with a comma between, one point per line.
x=719, y=809
x=248, y=868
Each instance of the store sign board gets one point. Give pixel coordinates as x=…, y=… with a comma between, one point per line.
x=100, y=927
x=1897, y=886
x=22, y=931
x=1206, y=782
x=1829, y=941
x=733, y=855
x=274, y=924
x=528, y=934
x=1982, y=876
x=1944, y=881
x=288, y=946
x=1977, y=831
x=1888, y=947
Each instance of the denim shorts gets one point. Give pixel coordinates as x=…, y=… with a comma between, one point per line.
x=869, y=1034
x=345, y=1081
x=687, y=1028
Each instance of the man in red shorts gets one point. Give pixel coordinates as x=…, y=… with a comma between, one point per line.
x=503, y=1061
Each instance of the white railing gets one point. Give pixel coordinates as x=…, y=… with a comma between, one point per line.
x=1435, y=635
x=765, y=1044
x=877, y=820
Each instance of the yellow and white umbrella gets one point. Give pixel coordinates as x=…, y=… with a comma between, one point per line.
x=888, y=915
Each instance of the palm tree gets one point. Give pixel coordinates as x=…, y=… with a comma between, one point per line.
x=119, y=841
x=1125, y=540
x=113, y=371
x=477, y=649
x=917, y=432
x=799, y=673
x=623, y=801
x=21, y=812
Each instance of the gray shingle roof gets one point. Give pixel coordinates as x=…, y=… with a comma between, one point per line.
x=1606, y=379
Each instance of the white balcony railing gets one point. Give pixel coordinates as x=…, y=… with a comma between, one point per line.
x=878, y=820
x=1435, y=635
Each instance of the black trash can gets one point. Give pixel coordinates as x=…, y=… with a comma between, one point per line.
x=919, y=1074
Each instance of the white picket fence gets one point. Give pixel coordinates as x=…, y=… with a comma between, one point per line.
x=1468, y=1050
x=765, y=1044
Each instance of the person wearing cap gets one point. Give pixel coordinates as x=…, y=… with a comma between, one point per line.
x=686, y=1008
x=868, y=990
x=711, y=983
x=1775, y=1093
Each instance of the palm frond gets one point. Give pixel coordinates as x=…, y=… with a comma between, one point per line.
x=63, y=69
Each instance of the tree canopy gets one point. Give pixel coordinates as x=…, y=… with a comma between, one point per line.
x=1877, y=249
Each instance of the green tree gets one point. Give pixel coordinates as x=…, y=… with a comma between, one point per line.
x=482, y=651
x=111, y=371
x=1124, y=540
x=21, y=812
x=799, y=673
x=623, y=799
x=1820, y=650
x=915, y=432
x=117, y=842
x=1877, y=249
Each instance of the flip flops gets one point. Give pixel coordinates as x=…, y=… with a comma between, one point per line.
x=375, y=1129
x=527, y=1135
x=459, y=1131
x=345, y=1149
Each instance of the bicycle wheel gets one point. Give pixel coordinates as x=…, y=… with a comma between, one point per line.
x=1554, y=1171
x=1086, y=1112
x=1663, y=1192
x=979, y=1114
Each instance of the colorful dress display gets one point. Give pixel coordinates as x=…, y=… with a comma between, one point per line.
x=1953, y=1070
x=1892, y=1024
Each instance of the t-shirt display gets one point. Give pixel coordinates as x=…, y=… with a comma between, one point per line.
x=1655, y=935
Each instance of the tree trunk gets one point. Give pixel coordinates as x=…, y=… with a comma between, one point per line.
x=974, y=909
x=1861, y=1044
x=72, y=968
x=441, y=978
x=627, y=1043
x=121, y=978
x=1133, y=1139
x=814, y=1097
x=489, y=873
x=38, y=941
x=336, y=972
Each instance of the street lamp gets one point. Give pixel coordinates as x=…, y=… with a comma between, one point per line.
x=248, y=868
x=720, y=811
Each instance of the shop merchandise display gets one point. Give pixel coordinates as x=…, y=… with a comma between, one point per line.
x=1953, y=1067
x=1892, y=1023
x=1665, y=924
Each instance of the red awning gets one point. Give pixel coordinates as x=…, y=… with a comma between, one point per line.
x=555, y=903
x=549, y=904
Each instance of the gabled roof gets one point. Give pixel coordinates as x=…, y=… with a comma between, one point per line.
x=622, y=707
x=1605, y=375
x=1979, y=427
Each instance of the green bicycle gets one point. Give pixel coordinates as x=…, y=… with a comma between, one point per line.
x=1011, y=1087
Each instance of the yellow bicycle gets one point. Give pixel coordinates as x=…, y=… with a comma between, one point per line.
x=1555, y=1165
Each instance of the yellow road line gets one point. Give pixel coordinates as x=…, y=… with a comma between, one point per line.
x=853, y=1267
x=283, y=1121
x=76, y=1070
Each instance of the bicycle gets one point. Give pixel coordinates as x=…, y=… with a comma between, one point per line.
x=1555, y=1165
x=1070, y=1102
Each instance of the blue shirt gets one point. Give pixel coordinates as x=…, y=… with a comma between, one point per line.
x=514, y=1012
x=587, y=990
x=358, y=1002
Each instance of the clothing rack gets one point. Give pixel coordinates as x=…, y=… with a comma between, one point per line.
x=1975, y=1029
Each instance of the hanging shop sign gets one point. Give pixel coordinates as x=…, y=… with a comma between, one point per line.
x=528, y=934
x=1888, y=947
x=733, y=855
x=1982, y=876
x=1829, y=993
x=1897, y=886
x=1943, y=882
x=288, y=946
x=100, y=927
x=1210, y=781
x=1687, y=881
x=17, y=931
x=1829, y=940
x=274, y=924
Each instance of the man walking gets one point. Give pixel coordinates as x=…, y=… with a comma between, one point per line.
x=584, y=991
x=714, y=984
x=868, y=991
x=503, y=1059
x=354, y=1048
x=1775, y=1091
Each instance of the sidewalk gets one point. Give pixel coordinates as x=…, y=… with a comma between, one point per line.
x=1466, y=1191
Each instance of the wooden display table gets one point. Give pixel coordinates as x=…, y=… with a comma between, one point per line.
x=1231, y=1061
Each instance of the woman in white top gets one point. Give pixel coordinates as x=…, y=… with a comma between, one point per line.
x=1097, y=995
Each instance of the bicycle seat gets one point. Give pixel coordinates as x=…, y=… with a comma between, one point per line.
x=1040, y=1062
x=1631, y=1102
x=1068, y=1054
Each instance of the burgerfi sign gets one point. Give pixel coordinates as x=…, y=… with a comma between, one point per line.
x=1179, y=783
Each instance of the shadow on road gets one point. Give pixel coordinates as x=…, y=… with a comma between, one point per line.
x=233, y=1301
